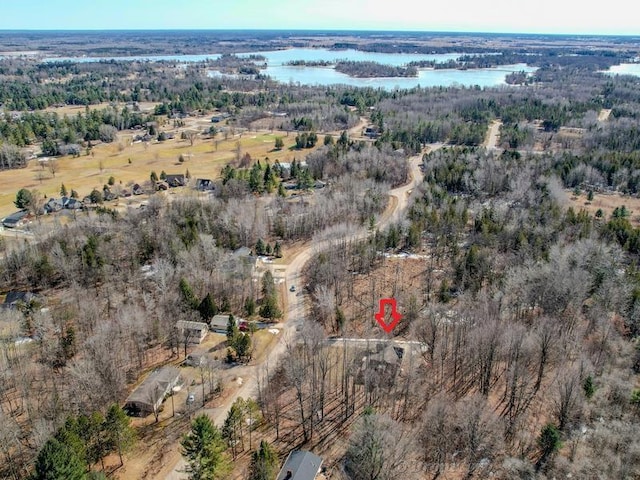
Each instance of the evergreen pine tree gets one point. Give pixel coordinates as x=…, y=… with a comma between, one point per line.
x=203, y=449
x=58, y=461
x=264, y=463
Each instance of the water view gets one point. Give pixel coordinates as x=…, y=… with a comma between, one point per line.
x=277, y=68
x=625, y=69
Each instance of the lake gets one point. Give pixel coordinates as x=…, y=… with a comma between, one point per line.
x=278, y=69
x=625, y=69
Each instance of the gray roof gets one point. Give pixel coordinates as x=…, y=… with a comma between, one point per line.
x=303, y=465
x=154, y=388
x=185, y=324
x=13, y=298
x=15, y=217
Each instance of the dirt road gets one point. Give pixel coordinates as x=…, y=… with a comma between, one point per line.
x=491, y=142
x=296, y=302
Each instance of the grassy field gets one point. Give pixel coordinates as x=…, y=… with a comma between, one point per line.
x=203, y=160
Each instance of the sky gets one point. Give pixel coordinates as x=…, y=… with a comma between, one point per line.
x=612, y=17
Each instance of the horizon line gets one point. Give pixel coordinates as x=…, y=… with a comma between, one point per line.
x=318, y=30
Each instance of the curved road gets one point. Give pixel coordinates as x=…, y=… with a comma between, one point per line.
x=296, y=304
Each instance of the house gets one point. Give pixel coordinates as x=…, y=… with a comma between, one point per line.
x=379, y=366
x=175, y=180
x=300, y=465
x=149, y=395
x=162, y=185
x=219, y=323
x=15, y=219
x=204, y=184
x=372, y=132
x=108, y=195
x=53, y=205
x=220, y=117
x=15, y=299
x=73, y=204
x=193, y=332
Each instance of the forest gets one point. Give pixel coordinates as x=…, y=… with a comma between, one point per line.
x=517, y=353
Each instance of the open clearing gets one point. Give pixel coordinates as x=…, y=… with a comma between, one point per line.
x=204, y=159
x=606, y=202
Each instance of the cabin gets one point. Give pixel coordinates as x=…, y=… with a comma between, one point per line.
x=193, y=332
x=149, y=395
x=300, y=465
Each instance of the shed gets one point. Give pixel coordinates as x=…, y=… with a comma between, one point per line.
x=193, y=332
x=149, y=395
x=300, y=465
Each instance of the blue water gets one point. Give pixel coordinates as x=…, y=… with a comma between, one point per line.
x=484, y=77
x=278, y=70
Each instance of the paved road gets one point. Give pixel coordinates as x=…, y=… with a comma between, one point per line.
x=296, y=303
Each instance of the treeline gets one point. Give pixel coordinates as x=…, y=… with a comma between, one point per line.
x=245, y=65
x=310, y=63
x=366, y=69
x=92, y=125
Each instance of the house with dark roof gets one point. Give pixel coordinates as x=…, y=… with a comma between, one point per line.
x=204, y=184
x=14, y=299
x=15, y=219
x=300, y=465
x=149, y=395
x=177, y=180
x=379, y=366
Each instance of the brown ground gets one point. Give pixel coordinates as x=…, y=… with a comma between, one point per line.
x=204, y=159
x=607, y=203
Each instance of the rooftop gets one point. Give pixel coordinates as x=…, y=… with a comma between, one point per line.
x=300, y=465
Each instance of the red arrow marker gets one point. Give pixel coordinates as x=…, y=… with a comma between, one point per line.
x=395, y=315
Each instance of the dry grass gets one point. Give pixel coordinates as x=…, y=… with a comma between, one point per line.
x=86, y=172
x=607, y=203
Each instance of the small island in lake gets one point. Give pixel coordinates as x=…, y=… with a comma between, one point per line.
x=374, y=70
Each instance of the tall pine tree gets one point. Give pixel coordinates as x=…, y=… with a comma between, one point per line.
x=203, y=449
x=264, y=463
